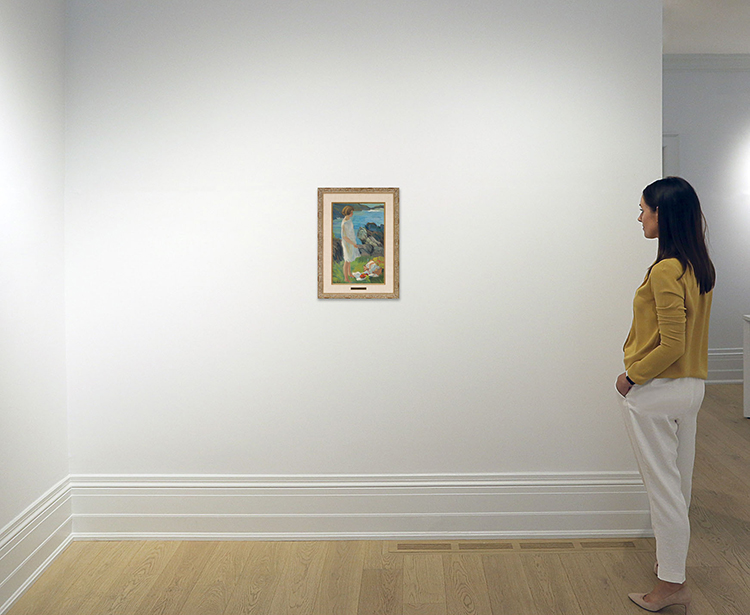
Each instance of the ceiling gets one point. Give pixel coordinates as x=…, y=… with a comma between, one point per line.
x=707, y=26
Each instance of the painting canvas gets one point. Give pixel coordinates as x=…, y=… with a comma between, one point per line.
x=358, y=243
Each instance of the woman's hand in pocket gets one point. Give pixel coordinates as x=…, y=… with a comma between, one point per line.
x=622, y=385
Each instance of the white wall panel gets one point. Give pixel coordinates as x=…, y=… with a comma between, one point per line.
x=707, y=102
x=198, y=133
x=33, y=422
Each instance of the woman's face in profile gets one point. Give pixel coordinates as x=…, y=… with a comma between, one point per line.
x=649, y=218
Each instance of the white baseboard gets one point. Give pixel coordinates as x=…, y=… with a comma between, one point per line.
x=32, y=541
x=725, y=366
x=707, y=61
x=359, y=507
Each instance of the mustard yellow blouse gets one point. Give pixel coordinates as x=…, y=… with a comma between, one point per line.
x=669, y=335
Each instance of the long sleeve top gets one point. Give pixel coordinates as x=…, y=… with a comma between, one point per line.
x=669, y=334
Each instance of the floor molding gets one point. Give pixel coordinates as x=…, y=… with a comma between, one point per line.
x=359, y=507
x=707, y=61
x=33, y=540
x=725, y=366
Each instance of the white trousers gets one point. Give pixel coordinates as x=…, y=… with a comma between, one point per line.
x=660, y=417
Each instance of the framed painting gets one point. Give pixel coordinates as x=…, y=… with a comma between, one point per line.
x=358, y=243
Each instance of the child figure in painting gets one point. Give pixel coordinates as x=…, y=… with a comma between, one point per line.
x=372, y=270
x=348, y=242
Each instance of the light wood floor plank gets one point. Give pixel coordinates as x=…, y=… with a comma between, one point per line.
x=381, y=592
x=301, y=579
x=260, y=580
x=425, y=609
x=379, y=557
x=424, y=582
x=549, y=585
x=89, y=588
x=172, y=589
x=508, y=587
x=625, y=572
x=128, y=588
x=722, y=534
x=703, y=551
x=592, y=585
x=700, y=603
x=465, y=585
x=715, y=475
x=341, y=582
x=721, y=590
x=219, y=579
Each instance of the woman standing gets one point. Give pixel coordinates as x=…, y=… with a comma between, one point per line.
x=348, y=242
x=666, y=362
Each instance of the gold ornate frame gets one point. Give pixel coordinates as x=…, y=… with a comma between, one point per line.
x=390, y=199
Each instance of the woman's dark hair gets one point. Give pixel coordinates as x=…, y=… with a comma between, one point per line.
x=682, y=228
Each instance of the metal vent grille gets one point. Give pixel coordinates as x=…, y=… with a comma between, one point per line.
x=522, y=546
x=547, y=546
x=484, y=546
x=424, y=546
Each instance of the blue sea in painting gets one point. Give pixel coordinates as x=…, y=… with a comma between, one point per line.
x=360, y=219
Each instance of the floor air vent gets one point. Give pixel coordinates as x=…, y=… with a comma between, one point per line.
x=523, y=546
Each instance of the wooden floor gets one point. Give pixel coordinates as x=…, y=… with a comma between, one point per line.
x=557, y=577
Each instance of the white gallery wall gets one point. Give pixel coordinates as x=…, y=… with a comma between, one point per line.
x=707, y=114
x=199, y=357
x=197, y=135
x=33, y=422
x=32, y=353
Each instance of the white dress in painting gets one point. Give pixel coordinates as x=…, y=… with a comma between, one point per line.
x=347, y=232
